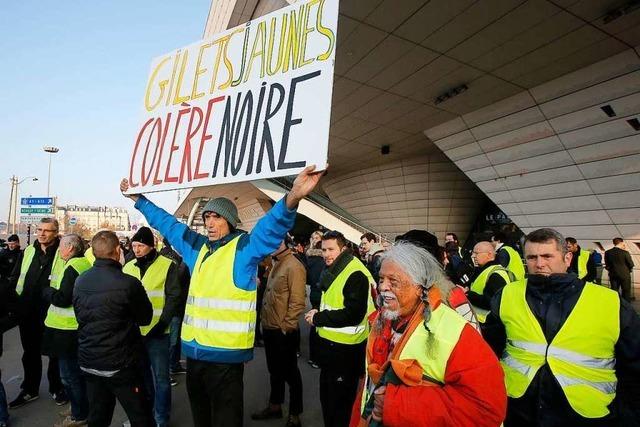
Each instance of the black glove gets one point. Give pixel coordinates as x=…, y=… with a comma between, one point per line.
x=158, y=330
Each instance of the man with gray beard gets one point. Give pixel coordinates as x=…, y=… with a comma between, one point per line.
x=426, y=365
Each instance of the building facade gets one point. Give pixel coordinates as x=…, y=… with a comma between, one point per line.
x=92, y=218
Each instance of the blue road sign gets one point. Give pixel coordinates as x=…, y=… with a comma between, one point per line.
x=36, y=200
x=73, y=220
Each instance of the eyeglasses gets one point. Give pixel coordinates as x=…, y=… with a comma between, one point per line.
x=43, y=230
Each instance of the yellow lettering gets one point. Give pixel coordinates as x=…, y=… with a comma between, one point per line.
x=272, y=34
x=194, y=90
x=291, y=50
x=259, y=41
x=150, y=106
x=177, y=99
x=173, y=75
x=305, y=33
x=227, y=62
x=325, y=32
x=214, y=75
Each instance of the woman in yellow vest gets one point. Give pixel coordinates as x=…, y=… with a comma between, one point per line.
x=219, y=324
x=60, y=337
x=426, y=365
x=569, y=349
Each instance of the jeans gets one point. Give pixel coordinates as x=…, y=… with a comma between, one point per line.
x=282, y=363
x=75, y=386
x=4, y=412
x=156, y=379
x=215, y=393
x=174, y=342
x=126, y=386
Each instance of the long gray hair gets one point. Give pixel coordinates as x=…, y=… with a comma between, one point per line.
x=423, y=270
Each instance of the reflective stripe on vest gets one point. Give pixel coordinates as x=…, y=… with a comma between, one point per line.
x=516, y=265
x=584, y=368
x=153, y=281
x=64, y=318
x=446, y=326
x=218, y=313
x=480, y=283
x=583, y=260
x=333, y=299
x=27, y=258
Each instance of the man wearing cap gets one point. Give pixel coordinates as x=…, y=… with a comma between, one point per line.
x=218, y=327
x=159, y=276
x=9, y=257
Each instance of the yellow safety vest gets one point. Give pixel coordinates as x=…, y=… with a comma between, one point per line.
x=446, y=326
x=581, y=355
x=480, y=282
x=333, y=299
x=583, y=260
x=27, y=257
x=515, y=262
x=218, y=313
x=88, y=254
x=153, y=282
x=64, y=317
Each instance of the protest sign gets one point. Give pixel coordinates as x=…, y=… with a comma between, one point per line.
x=251, y=102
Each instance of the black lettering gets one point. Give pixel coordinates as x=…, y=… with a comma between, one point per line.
x=288, y=122
x=236, y=159
x=254, y=134
x=226, y=136
x=267, y=141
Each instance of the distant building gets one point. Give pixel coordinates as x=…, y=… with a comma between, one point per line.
x=92, y=217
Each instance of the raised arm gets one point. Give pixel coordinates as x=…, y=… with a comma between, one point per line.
x=184, y=240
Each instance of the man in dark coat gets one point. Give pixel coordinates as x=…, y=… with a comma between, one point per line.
x=110, y=307
x=619, y=264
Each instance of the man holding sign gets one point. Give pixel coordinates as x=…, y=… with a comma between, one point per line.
x=219, y=322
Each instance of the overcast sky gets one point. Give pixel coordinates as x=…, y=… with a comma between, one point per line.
x=72, y=76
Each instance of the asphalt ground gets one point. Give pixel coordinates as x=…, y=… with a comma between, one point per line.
x=44, y=412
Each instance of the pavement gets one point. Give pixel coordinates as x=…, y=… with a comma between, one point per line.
x=44, y=412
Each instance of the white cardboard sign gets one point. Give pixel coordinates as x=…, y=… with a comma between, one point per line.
x=251, y=102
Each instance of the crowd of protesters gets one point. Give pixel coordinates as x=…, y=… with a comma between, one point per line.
x=404, y=333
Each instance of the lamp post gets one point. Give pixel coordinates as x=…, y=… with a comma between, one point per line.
x=51, y=151
x=13, y=200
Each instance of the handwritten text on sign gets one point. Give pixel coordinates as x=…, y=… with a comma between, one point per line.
x=253, y=102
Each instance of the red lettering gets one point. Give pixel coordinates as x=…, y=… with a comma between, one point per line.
x=145, y=177
x=205, y=137
x=173, y=148
x=186, y=155
x=157, y=181
x=135, y=151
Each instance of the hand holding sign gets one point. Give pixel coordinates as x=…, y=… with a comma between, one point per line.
x=304, y=184
x=124, y=187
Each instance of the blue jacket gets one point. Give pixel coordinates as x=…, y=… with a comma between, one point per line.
x=252, y=248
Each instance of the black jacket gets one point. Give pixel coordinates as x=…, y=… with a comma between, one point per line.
x=335, y=356
x=591, y=266
x=32, y=306
x=619, y=263
x=315, y=266
x=110, y=307
x=495, y=282
x=552, y=299
x=8, y=260
x=184, y=278
x=8, y=309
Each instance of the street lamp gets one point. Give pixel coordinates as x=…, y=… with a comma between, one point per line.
x=51, y=151
x=13, y=199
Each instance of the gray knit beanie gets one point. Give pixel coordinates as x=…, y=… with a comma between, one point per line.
x=225, y=208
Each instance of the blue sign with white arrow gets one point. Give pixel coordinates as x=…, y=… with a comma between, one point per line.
x=36, y=201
